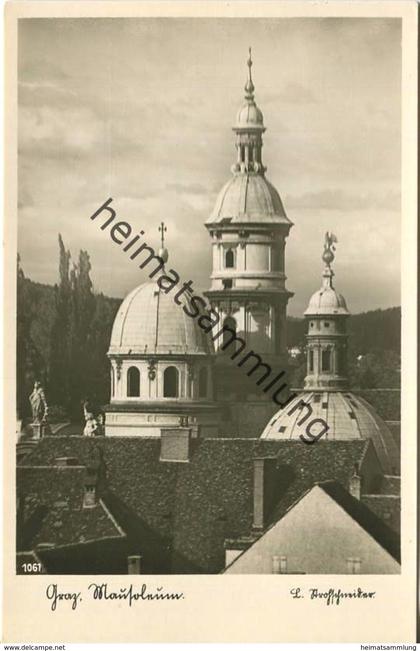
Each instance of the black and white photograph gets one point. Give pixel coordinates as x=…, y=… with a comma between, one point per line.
x=208, y=296
x=210, y=305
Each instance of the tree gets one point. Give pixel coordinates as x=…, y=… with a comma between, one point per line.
x=60, y=358
x=29, y=362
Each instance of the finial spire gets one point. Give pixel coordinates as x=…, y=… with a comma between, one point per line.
x=328, y=256
x=163, y=252
x=162, y=230
x=249, y=86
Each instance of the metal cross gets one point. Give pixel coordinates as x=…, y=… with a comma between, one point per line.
x=162, y=229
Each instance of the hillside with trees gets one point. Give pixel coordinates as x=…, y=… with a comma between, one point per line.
x=63, y=334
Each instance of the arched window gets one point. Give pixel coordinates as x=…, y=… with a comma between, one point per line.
x=170, y=382
x=229, y=259
x=202, y=382
x=133, y=382
x=326, y=360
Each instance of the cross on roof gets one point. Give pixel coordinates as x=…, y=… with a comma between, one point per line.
x=162, y=229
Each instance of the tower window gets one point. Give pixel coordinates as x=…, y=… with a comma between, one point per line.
x=311, y=360
x=227, y=283
x=170, y=382
x=326, y=360
x=202, y=382
x=327, y=324
x=229, y=259
x=133, y=382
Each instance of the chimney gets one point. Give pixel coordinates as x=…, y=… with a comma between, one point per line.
x=258, y=521
x=355, y=483
x=266, y=491
x=89, y=496
x=175, y=444
x=133, y=564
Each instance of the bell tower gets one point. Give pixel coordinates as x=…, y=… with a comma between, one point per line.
x=327, y=313
x=248, y=228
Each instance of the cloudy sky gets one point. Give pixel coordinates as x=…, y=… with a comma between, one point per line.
x=141, y=110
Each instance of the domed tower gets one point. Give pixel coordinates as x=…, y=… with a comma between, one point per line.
x=249, y=227
x=327, y=338
x=161, y=366
x=337, y=413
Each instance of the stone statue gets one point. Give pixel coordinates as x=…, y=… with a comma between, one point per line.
x=91, y=427
x=38, y=404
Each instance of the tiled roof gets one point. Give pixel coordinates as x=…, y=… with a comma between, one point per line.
x=386, y=507
x=365, y=517
x=51, y=507
x=178, y=515
x=348, y=417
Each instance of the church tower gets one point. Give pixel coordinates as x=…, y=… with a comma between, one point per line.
x=326, y=315
x=249, y=227
x=336, y=412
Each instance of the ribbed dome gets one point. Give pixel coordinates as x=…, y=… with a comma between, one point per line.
x=348, y=416
x=248, y=198
x=249, y=115
x=326, y=301
x=149, y=321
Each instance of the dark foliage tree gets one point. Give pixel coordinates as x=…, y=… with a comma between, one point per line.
x=60, y=354
x=29, y=362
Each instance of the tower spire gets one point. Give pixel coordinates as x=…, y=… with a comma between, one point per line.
x=326, y=349
x=163, y=251
x=249, y=86
x=328, y=256
x=249, y=128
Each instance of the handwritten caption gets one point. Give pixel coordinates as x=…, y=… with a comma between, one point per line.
x=331, y=597
x=101, y=592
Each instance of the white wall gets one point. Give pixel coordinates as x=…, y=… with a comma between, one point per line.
x=317, y=536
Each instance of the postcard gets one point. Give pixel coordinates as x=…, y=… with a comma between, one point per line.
x=210, y=324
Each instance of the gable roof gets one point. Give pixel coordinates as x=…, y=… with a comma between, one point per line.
x=367, y=519
x=51, y=508
x=178, y=515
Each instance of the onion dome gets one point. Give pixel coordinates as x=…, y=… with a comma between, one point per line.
x=349, y=417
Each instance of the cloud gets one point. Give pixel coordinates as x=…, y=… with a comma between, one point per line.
x=293, y=93
x=188, y=188
x=113, y=108
x=337, y=199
